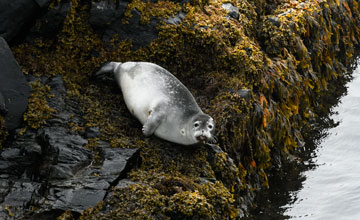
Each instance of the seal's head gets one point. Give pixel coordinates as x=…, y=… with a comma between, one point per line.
x=203, y=128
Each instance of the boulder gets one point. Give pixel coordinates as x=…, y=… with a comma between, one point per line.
x=233, y=12
x=14, y=15
x=14, y=89
x=51, y=21
x=106, y=17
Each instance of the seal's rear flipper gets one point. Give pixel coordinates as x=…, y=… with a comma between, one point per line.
x=106, y=72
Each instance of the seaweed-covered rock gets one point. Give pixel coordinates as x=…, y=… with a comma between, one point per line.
x=233, y=11
x=13, y=88
x=260, y=71
x=52, y=19
x=107, y=18
x=176, y=19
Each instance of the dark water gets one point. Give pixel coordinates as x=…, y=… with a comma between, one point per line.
x=326, y=186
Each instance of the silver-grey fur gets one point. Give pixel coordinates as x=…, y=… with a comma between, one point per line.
x=161, y=103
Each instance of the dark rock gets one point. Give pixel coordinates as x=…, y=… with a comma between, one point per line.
x=244, y=93
x=55, y=160
x=66, y=110
x=51, y=21
x=177, y=19
x=63, y=153
x=274, y=21
x=21, y=156
x=10, y=153
x=5, y=186
x=13, y=87
x=233, y=11
x=124, y=183
x=21, y=193
x=14, y=15
x=104, y=144
x=32, y=150
x=43, y=3
x=3, y=109
x=117, y=160
x=257, y=114
x=71, y=181
x=140, y=34
x=77, y=195
x=92, y=132
x=57, y=86
x=107, y=18
x=87, y=189
x=213, y=149
x=14, y=195
x=228, y=175
x=105, y=12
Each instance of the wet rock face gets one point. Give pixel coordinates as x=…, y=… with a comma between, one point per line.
x=14, y=90
x=51, y=169
x=107, y=18
x=14, y=15
x=51, y=20
x=64, y=154
x=233, y=11
x=18, y=15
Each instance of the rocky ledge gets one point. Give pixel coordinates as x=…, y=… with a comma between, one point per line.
x=52, y=167
x=69, y=148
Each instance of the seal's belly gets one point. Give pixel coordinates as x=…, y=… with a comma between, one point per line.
x=141, y=94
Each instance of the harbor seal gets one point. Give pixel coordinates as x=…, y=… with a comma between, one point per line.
x=163, y=105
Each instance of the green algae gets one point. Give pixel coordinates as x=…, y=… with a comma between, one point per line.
x=286, y=52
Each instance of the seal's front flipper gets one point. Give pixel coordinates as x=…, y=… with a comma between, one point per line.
x=152, y=123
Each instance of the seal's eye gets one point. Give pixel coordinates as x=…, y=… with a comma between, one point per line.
x=196, y=124
x=210, y=127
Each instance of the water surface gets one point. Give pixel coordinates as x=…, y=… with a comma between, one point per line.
x=332, y=189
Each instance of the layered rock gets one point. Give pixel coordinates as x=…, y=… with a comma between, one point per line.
x=51, y=168
x=14, y=90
